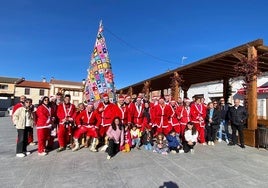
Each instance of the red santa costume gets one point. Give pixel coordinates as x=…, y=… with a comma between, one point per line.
x=174, y=121
x=198, y=115
x=87, y=122
x=184, y=115
x=66, y=113
x=136, y=112
x=162, y=114
x=123, y=110
x=107, y=112
x=43, y=124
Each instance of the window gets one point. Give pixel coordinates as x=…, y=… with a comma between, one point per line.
x=4, y=87
x=27, y=91
x=76, y=93
x=41, y=92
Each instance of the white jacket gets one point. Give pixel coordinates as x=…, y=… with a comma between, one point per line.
x=19, y=118
x=189, y=137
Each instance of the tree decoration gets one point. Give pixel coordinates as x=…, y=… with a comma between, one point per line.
x=176, y=80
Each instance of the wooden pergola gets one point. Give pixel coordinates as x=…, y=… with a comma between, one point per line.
x=216, y=67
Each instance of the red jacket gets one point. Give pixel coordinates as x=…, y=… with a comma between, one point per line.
x=198, y=114
x=108, y=114
x=88, y=119
x=43, y=116
x=162, y=115
x=183, y=115
x=174, y=121
x=64, y=111
x=136, y=115
x=123, y=112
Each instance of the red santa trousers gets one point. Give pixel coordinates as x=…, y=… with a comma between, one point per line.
x=103, y=130
x=201, y=132
x=64, y=135
x=91, y=132
x=42, y=136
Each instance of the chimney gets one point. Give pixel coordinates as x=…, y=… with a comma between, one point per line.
x=44, y=79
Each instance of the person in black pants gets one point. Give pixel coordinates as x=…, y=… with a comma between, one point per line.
x=212, y=123
x=238, y=117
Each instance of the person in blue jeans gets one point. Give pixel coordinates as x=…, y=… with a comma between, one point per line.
x=147, y=139
x=223, y=129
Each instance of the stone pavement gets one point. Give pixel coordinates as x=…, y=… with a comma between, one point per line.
x=210, y=166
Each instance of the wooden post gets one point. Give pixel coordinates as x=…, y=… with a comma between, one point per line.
x=250, y=132
x=175, y=86
x=252, y=94
x=225, y=85
x=130, y=91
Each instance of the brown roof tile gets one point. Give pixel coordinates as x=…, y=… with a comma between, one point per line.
x=34, y=84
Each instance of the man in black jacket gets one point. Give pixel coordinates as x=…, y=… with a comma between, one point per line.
x=238, y=117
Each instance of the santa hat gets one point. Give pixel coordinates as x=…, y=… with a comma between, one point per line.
x=52, y=97
x=187, y=100
x=105, y=95
x=138, y=98
x=121, y=97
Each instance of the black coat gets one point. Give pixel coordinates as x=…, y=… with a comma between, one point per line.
x=238, y=116
x=215, y=118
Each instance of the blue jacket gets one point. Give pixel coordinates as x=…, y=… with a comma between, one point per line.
x=172, y=141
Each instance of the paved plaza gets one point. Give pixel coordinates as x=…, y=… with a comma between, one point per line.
x=210, y=166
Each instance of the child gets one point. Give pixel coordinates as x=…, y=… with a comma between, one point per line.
x=147, y=139
x=173, y=142
x=160, y=145
x=135, y=136
x=126, y=147
x=190, y=136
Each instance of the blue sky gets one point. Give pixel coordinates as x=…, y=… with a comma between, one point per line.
x=54, y=38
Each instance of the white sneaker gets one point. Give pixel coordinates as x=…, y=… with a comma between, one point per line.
x=32, y=144
x=220, y=140
x=209, y=143
x=181, y=151
x=227, y=141
x=27, y=153
x=108, y=157
x=212, y=143
x=204, y=144
x=192, y=150
x=20, y=155
x=173, y=151
x=104, y=147
x=42, y=154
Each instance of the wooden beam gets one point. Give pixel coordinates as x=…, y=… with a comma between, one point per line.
x=238, y=55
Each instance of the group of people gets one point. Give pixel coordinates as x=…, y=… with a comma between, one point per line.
x=162, y=125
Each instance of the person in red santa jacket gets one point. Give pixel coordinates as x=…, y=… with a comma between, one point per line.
x=184, y=117
x=123, y=110
x=162, y=114
x=66, y=113
x=198, y=115
x=107, y=111
x=174, y=121
x=136, y=112
x=87, y=122
x=43, y=124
